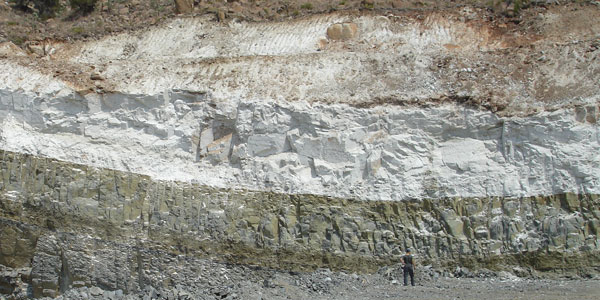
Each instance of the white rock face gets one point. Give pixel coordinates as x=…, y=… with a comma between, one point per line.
x=390, y=153
x=389, y=114
x=390, y=60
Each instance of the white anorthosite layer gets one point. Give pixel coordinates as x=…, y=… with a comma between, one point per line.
x=249, y=122
x=389, y=153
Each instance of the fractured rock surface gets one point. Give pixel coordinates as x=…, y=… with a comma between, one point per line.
x=78, y=215
x=386, y=153
x=131, y=163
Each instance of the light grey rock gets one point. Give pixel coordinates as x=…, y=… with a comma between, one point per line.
x=449, y=180
x=507, y=275
x=340, y=151
x=96, y=291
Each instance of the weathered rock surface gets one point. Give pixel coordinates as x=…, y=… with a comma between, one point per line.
x=384, y=153
x=75, y=225
x=131, y=163
x=408, y=109
x=10, y=49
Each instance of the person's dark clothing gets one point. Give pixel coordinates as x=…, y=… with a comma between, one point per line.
x=408, y=269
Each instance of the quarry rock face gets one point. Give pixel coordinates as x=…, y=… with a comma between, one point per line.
x=389, y=153
x=126, y=160
x=115, y=219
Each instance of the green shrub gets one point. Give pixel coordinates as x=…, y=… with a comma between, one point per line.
x=307, y=6
x=77, y=30
x=17, y=40
x=517, y=6
x=43, y=8
x=369, y=4
x=520, y=4
x=85, y=6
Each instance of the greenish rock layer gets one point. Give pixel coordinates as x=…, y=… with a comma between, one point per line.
x=74, y=225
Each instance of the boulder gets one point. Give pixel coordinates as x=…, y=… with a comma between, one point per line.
x=220, y=16
x=4, y=6
x=96, y=291
x=96, y=76
x=10, y=49
x=342, y=31
x=322, y=43
x=184, y=6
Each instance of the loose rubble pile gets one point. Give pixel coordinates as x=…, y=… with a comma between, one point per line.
x=203, y=279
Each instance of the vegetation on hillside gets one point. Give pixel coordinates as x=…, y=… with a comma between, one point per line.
x=45, y=9
x=85, y=6
x=42, y=8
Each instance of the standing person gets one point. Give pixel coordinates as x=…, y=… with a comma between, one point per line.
x=408, y=268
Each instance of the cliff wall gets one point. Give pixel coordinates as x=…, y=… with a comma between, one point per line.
x=332, y=141
x=72, y=225
x=404, y=107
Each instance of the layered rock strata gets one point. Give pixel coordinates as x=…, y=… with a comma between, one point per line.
x=126, y=159
x=405, y=107
x=73, y=225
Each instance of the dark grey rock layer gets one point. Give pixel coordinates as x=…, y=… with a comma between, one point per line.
x=65, y=226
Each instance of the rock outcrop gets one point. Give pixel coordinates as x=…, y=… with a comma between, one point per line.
x=76, y=226
x=330, y=142
x=383, y=153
